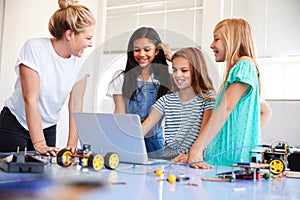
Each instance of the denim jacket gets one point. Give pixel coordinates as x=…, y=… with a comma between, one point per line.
x=145, y=97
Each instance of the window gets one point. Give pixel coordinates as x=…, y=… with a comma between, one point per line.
x=180, y=23
x=276, y=28
x=177, y=22
x=166, y=16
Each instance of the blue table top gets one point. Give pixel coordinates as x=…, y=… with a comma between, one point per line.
x=140, y=182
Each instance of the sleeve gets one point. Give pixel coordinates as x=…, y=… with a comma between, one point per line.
x=160, y=104
x=243, y=72
x=210, y=104
x=30, y=55
x=116, y=84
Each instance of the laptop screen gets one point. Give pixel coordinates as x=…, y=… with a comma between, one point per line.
x=107, y=132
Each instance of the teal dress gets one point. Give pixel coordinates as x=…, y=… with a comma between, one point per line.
x=241, y=131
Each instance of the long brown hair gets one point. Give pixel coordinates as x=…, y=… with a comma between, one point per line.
x=201, y=80
x=159, y=65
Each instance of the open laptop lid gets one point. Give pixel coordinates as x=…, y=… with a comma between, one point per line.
x=120, y=133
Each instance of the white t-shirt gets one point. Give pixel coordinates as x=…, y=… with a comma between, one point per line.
x=57, y=77
x=115, y=86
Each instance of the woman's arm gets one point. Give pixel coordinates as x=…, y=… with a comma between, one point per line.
x=119, y=101
x=75, y=104
x=73, y=136
x=231, y=97
x=78, y=93
x=30, y=83
x=152, y=119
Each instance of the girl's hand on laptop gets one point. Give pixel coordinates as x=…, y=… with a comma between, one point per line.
x=181, y=158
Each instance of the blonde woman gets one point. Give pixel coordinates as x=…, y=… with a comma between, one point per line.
x=47, y=69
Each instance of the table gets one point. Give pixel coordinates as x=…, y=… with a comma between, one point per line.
x=136, y=182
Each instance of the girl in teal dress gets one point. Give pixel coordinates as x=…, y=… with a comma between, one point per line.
x=234, y=126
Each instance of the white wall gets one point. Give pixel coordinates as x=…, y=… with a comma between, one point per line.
x=284, y=125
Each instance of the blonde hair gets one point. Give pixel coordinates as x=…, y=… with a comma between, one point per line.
x=70, y=16
x=201, y=80
x=238, y=41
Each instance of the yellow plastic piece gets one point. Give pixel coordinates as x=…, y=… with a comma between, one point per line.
x=159, y=172
x=114, y=161
x=276, y=166
x=66, y=158
x=98, y=162
x=172, y=179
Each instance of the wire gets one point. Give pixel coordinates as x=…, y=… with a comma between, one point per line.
x=169, y=163
x=218, y=154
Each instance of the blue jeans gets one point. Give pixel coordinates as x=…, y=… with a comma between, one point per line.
x=141, y=105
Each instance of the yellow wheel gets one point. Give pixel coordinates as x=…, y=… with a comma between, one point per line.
x=64, y=158
x=276, y=166
x=111, y=160
x=83, y=162
x=96, y=162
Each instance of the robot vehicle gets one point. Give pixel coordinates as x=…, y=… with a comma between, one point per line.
x=280, y=157
x=88, y=159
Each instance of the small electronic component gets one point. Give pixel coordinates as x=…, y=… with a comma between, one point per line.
x=21, y=162
x=88, y=159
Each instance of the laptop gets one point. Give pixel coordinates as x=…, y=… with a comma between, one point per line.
x=119, y=133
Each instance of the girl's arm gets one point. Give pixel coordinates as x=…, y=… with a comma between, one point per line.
x=119, y=104
x=167, y=51
x=232, y=95
x=151, y=120
x=265, y=113
x=30, y=83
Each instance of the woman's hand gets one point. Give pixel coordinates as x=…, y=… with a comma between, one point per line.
x=42, y=148
x=165, y=47
x=72, y=148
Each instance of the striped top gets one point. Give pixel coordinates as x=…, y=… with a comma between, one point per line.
x=182, y=121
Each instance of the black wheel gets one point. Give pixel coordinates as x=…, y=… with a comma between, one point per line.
x=276, y=166
x=111, y=160
x=64, y=158
x=96, y=162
